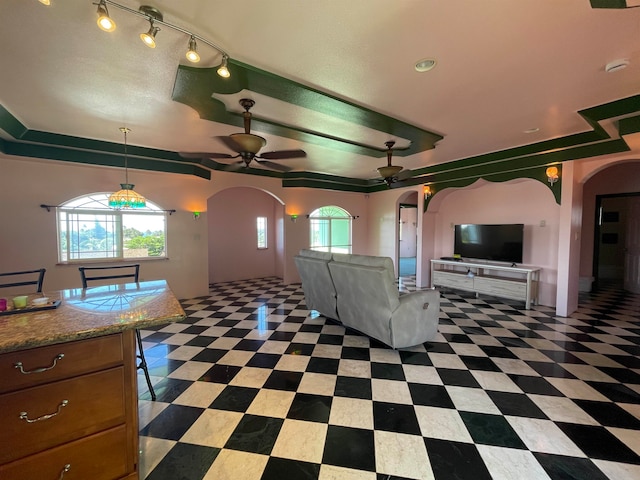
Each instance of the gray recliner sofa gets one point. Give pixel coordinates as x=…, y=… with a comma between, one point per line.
x=360, y=291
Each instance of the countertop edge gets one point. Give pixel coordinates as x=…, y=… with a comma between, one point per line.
x=92, y=333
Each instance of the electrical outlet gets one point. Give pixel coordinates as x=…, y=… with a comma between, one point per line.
x=543, y=223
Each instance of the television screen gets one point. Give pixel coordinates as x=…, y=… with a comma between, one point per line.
x=500, y=243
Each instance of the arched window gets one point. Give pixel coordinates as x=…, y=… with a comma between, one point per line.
x=330, y=229
x=88, y=229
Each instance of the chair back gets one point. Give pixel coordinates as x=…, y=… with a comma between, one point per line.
x=24, y=278
x=91, y=274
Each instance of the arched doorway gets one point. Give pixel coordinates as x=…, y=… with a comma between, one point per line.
x=407, y=234
x=246, y=235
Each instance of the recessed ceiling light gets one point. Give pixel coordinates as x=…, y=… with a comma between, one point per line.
x=425, y=64
x=616, y=65
x=531, y=130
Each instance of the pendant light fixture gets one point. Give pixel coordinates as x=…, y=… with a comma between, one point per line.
x=126, y=197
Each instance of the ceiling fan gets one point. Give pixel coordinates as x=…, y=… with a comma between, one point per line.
x=391, y=173
x=247, y=145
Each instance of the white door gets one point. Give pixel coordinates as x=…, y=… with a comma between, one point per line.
x=632, y=246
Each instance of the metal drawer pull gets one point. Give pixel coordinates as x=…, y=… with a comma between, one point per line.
x=66, y=468
x=25, y=416
x=18, y=365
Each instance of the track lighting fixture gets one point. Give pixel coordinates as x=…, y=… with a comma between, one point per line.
x=154, y=16
x=192, y=53
x=149, y=38
x=104, y=20
x=223, y=70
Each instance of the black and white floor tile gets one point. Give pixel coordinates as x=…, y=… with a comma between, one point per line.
x=252, y=385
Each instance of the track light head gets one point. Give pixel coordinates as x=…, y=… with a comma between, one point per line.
x=223, y=69
x=45, y=2
x=149, y=38
x=192, y=53
x=152, y=13
x=104, y=20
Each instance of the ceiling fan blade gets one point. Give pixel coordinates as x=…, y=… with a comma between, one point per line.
x=404, y=175
x=205, y=155
x=229, y=143
x=233, y=167
x=283, y=154
x=273, y=165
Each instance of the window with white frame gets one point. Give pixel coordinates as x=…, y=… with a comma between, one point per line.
x=330, y=229
x=88, y=229
x=261, y=228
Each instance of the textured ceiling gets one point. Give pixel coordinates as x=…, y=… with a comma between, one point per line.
x=334, y=78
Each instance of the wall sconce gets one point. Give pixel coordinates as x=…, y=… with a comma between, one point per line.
x=294, y=218
x=426, y=190
x=196, y=215
x=552, y=175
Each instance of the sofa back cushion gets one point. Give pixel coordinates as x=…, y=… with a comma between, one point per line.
x=366, y=298
x=326, y=256
x=368, y=260
x=317, y=284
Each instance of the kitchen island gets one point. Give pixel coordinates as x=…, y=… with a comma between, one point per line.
x=68, y=381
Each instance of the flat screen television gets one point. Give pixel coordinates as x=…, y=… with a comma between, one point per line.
x=499, y=243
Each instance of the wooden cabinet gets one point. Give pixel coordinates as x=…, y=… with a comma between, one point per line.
x=70, y=410
x=517, y=283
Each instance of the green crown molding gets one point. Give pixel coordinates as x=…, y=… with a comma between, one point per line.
x=195, y=86
x=528, y=161
x=536, y=173
x=609, y=4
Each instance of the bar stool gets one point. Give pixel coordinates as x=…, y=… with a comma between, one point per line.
x=89, y=274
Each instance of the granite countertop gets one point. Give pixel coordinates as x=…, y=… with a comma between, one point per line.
x=88, y=313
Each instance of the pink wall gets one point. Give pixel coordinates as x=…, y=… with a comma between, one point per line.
x=233, y=252
x=618, y=178
x=518, y=201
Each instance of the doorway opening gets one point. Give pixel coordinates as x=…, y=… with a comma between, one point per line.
x=407, y=239
x=616, y=259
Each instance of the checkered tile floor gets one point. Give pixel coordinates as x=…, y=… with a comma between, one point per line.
x=254, y=386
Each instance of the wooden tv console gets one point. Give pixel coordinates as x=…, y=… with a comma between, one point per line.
x=516, y=283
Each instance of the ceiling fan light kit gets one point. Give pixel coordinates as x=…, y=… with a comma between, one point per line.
x=247, y=145
x=389, y=172
x=154, y=16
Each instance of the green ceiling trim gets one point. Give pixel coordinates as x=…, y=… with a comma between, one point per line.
x=628, y=126
x=11, y=124
x=609, y=4
x=514, y=161
x=49, y=152
x=195, y=86
x=337, y=186
x=535, y=173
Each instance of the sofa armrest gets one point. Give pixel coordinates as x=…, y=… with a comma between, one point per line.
x=415, y=321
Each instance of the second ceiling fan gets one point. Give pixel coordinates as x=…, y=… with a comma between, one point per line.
x=247, y=145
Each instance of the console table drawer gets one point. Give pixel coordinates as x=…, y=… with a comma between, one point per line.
x=34, y=419
x=501, y=288
x=46, y=363
x=102, y=456
x=452, y=280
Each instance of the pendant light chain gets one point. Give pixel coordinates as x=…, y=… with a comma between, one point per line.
x=125, y=130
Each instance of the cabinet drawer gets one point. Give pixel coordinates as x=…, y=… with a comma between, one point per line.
x=96, y=401
x=452, y=280
x=102, y=456
x=78, y=358
x=501, y=288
